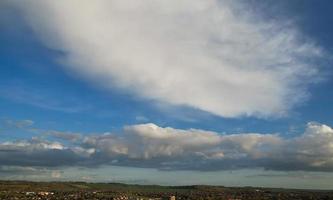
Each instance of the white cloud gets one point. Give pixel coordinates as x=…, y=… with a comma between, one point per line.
x=159, y=147
x=148, y=145
x=148, y=141
x=196, y=53
x=34, y=144
x=36, y=152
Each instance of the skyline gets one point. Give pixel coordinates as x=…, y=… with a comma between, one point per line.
x=232, y=93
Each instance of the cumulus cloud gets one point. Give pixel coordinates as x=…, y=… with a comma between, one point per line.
x=37, y=152
x=169, y=148
x=148, y=145
x=202, y=54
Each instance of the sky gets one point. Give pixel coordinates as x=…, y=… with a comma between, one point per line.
x=219, y=92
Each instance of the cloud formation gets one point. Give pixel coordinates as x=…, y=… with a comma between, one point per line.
x=36, y=152
x=41, y=98
x=203, y=54
x=148, y=145
x=20, y=124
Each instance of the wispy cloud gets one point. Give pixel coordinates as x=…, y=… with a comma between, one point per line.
x=42, y=98
x=68, y=136
x=21, y=124
x=202, y=54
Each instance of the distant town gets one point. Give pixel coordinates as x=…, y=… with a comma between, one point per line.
x=15, y=190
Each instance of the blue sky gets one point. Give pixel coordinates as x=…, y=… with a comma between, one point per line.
x=112, y=76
